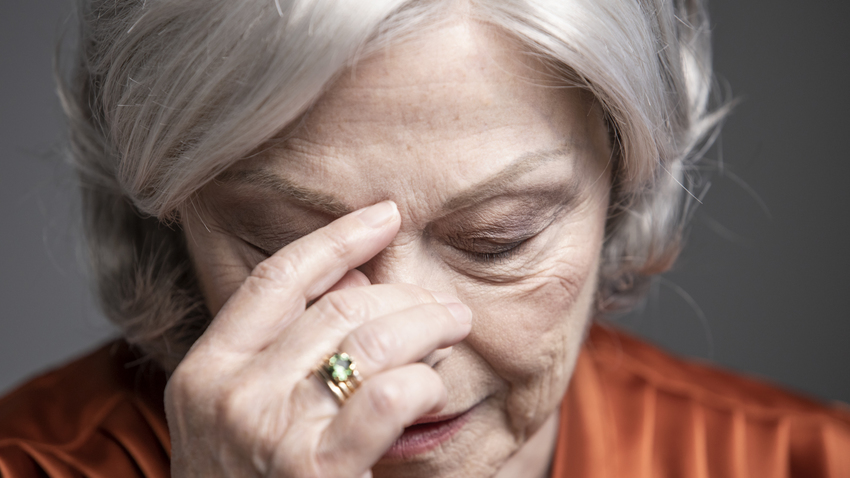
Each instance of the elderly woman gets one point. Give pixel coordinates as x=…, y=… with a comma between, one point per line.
x=370, y=238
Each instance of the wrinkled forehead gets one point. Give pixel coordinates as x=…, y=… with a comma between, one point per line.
x=436, y=115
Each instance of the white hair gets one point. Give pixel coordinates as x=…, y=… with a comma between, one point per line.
x=166, y=95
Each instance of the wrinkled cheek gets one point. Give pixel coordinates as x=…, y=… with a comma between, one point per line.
x=530, y=334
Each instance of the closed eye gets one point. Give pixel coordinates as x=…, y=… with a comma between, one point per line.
x=488, y=250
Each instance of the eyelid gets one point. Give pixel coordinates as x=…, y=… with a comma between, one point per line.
x=497, y=250
x=270, y=245
x=478, y=245
x=257, y=248
x=512, y=249
x=512, y=245
x=498, y=239
x=504, y=235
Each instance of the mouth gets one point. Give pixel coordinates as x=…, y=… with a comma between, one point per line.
x=426, y=434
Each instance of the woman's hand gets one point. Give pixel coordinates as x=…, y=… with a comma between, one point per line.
x=244, y=401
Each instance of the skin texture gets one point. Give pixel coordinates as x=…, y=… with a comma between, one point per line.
x=499, y=185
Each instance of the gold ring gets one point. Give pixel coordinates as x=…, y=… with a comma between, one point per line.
x=340, y=374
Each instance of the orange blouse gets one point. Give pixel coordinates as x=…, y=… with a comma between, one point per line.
x=631, y=411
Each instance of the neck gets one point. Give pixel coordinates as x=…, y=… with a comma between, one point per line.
x=534, y=458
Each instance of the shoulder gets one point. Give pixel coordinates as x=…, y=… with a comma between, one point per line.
x=100, y=415
x=620, y=356
x=668, y=416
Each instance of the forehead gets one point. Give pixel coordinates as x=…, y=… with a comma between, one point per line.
x=434, y=115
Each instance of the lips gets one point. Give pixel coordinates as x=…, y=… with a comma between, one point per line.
x=439, y=418
x=426, y=434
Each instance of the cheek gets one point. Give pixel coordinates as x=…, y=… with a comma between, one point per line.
x=530, y=334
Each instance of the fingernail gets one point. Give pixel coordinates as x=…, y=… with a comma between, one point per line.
x=444, y=298
x=379, y=214
x=461, y=313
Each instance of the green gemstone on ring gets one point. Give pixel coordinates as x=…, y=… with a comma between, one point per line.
x=340, y=367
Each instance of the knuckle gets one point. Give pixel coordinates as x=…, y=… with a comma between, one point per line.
x=374, y=344
x=324, y=463
x=294, y=457
x=336, y=242
x=174, y=394
x=273, y=273
x=230, y=406
x=183, y=383
x=180, y=377
x=343, y=306
x=386, y=398
x=324, y=457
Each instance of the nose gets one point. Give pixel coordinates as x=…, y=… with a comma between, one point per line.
x=407, y=263
x=411, y=264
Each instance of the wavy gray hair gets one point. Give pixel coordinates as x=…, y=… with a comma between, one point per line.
x=165, y=95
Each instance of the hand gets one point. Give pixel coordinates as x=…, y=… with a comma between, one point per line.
x=244, y=402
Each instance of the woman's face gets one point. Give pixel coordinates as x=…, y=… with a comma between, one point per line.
x=501, y=180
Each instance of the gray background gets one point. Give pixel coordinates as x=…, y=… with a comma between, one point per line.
x=760, y=288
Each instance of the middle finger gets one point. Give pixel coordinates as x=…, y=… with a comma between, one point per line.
x=324, y=325
x=407, y=336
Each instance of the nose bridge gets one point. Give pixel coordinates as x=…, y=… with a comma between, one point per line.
x=404, y=263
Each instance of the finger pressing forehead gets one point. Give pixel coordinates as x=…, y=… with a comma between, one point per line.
x=279, y=288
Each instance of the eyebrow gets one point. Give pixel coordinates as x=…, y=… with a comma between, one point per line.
x=496, y=185
x=486, y=189
x=303, y=196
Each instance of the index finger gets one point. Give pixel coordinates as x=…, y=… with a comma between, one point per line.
x=279, y=288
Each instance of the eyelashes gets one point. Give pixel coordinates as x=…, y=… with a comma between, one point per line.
x=488, y=251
